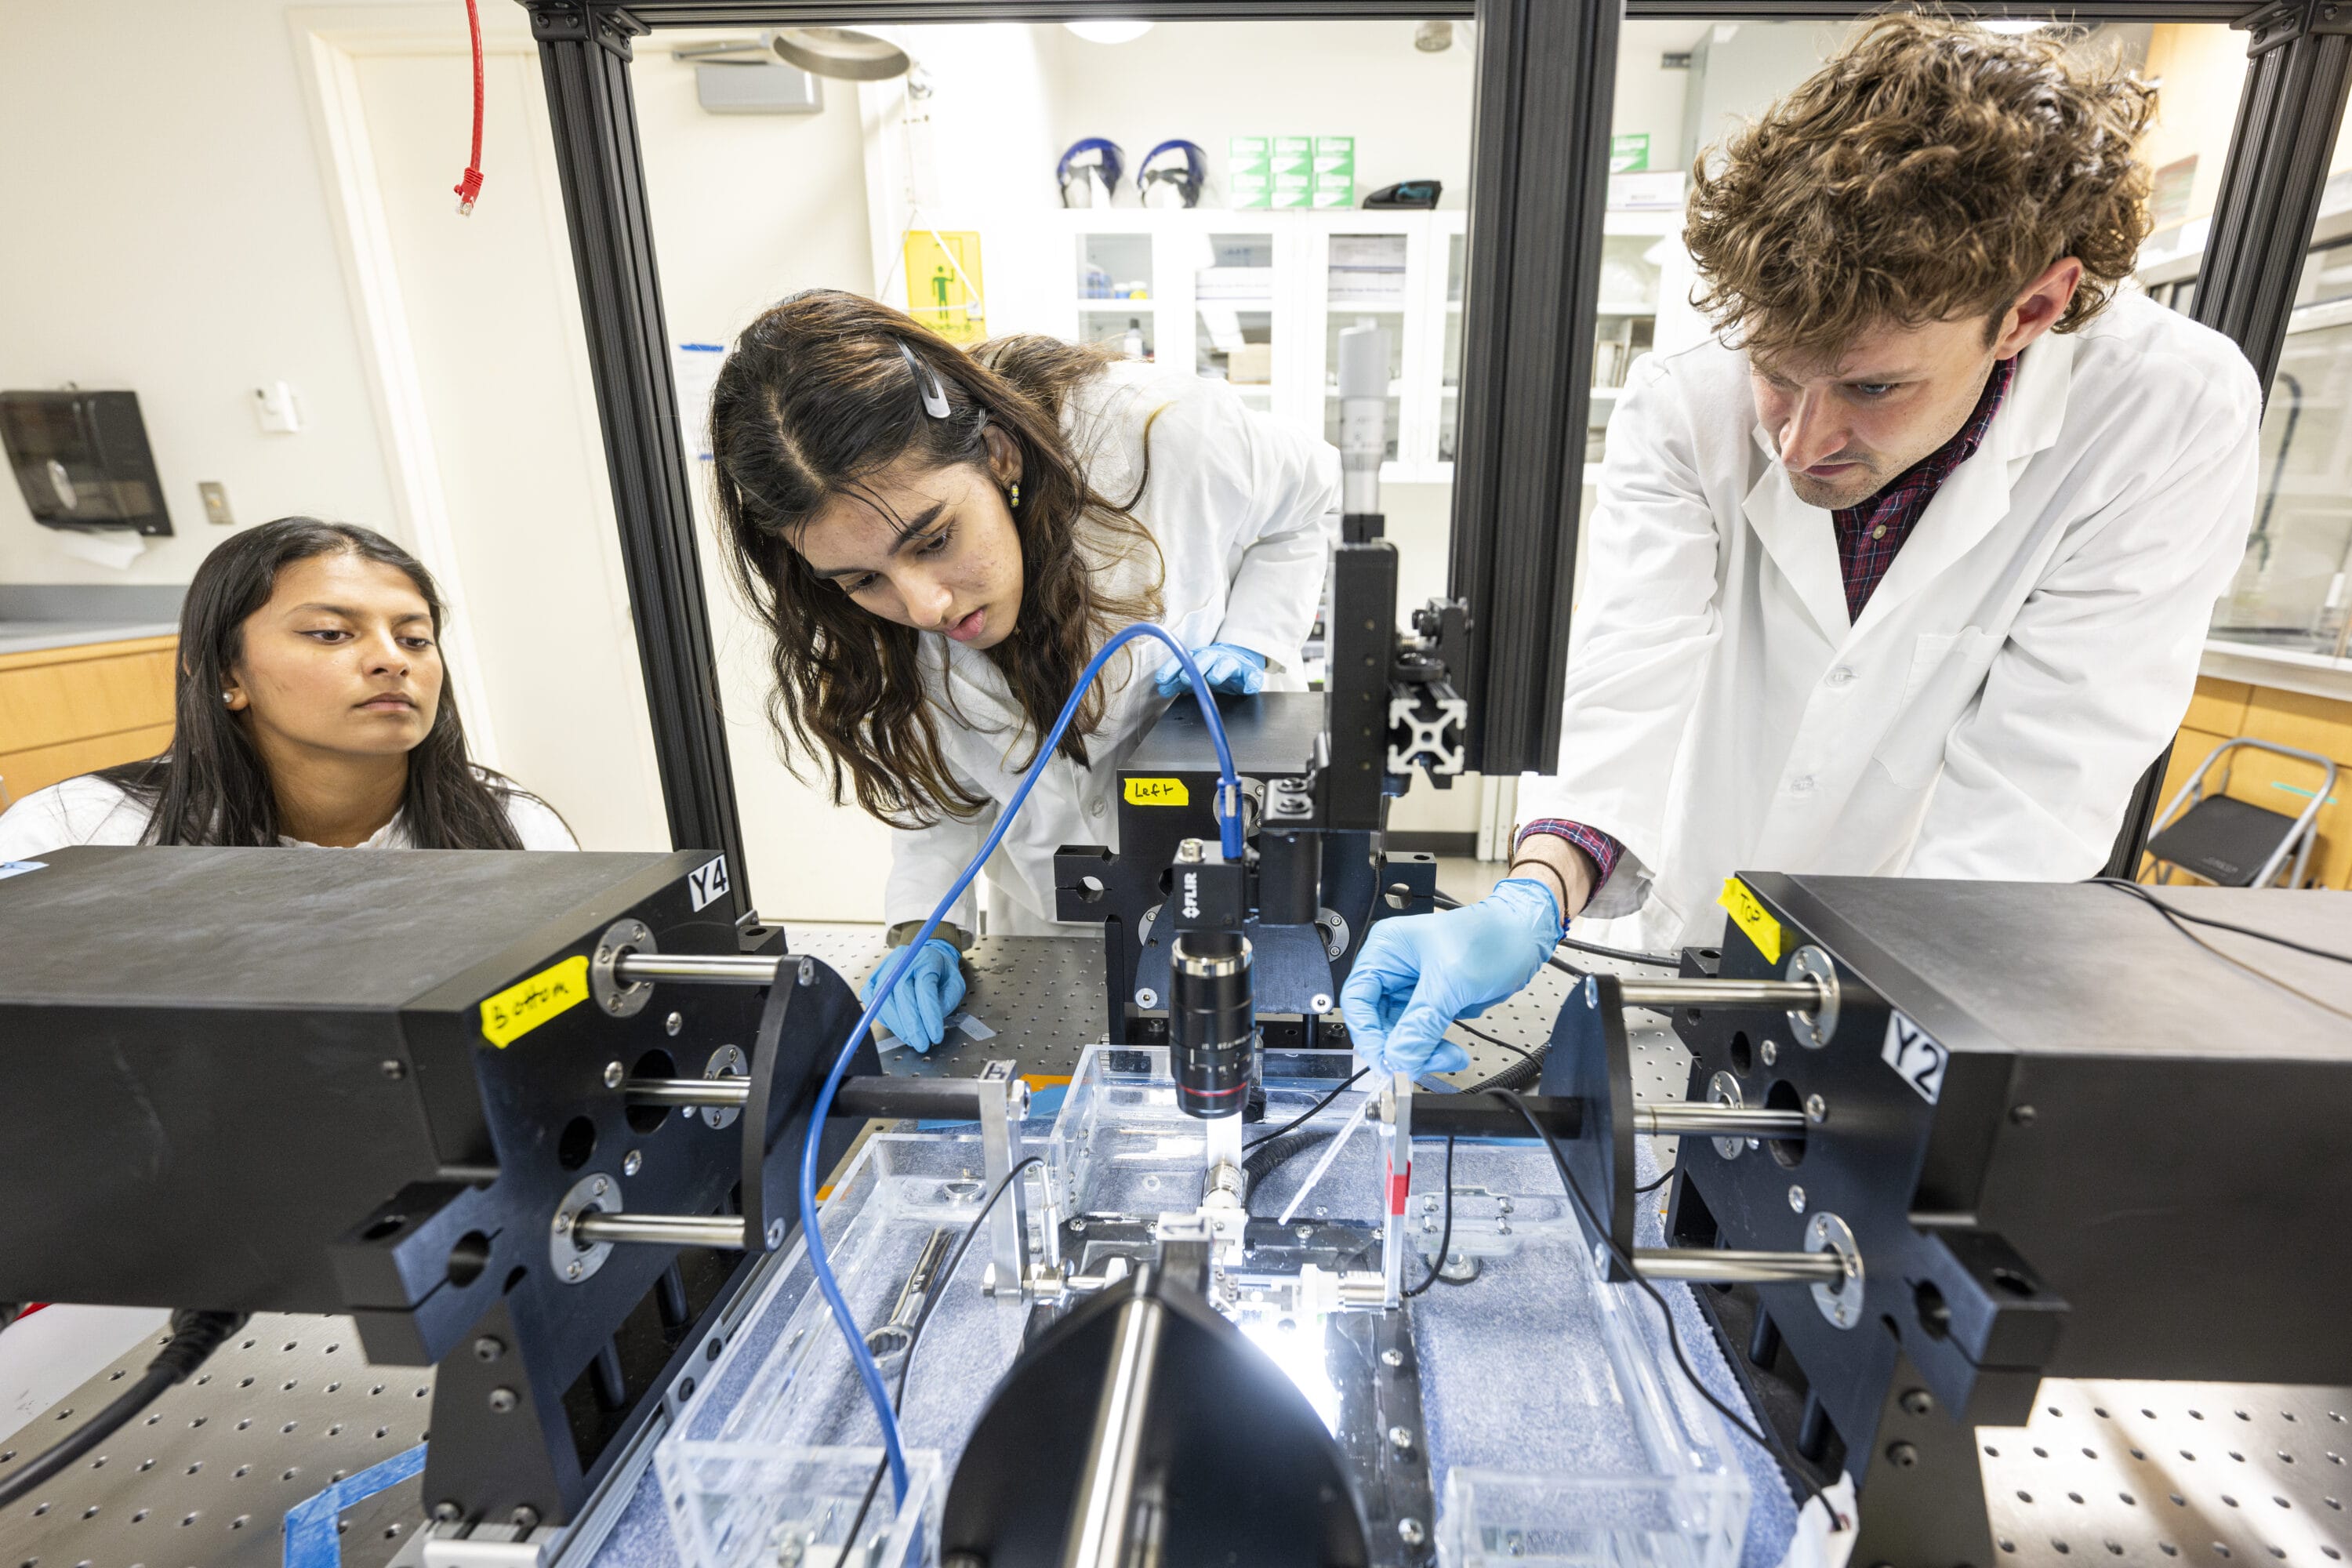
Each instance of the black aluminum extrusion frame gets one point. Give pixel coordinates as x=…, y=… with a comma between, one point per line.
x=1538, y=195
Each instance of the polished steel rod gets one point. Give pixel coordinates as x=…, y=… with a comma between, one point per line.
x=724, y=969
x=688, y=1090
x=724, y=1230
x=1716, y=1266
x=1802, y=994
x=1719, y=1121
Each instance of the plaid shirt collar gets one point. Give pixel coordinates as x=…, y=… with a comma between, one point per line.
x=1869, y=533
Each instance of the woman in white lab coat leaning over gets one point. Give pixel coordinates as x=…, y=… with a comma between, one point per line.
x=1909, y=571
x=940, y=541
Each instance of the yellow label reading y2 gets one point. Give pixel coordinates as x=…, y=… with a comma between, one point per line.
x=527, y=1003
x=1752, y=918
x=1157, y=792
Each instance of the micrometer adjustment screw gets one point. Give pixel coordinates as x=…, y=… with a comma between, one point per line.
x=502, y=1399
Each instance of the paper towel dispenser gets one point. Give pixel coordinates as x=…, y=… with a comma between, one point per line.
x=82, y=461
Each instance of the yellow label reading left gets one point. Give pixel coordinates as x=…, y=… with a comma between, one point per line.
x=1157, y=792
x=527, y=1003
x=1748, y=912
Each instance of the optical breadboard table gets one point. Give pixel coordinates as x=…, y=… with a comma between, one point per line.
x=2131, y=1472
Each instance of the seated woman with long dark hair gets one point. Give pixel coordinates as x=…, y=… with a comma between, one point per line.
x=312, y=709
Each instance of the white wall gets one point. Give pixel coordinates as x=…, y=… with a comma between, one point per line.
x=166, y=233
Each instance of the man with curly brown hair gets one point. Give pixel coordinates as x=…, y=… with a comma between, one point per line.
x=1908, y=571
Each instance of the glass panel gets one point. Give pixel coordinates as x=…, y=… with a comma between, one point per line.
x=1449, y=390
x=1115, y=267
x=1365, y=285
x=1234, y=293
x=2290, y=592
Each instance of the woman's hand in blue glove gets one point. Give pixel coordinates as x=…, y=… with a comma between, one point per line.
x=1417, y=974
x=1228, y=669
x=918, y=1006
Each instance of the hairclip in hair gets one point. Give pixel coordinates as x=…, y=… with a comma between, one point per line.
x=934, y=395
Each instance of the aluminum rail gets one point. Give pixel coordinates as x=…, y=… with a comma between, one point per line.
x=720, y=1230
x=1719, y=1120
x=1802, y=994
x=720, y=968
x=1715, y=1266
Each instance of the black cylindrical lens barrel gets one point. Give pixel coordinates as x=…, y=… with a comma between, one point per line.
x=1289, y=873
x=1211, y=1023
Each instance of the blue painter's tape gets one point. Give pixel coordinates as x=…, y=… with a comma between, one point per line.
x=310, y=1534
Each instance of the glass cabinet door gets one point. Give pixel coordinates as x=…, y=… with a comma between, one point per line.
x=1365, y=285
x=2290, y=592
x=1233, y=314
x=1449, y=387
x=1626, y=326
x=1115, y=292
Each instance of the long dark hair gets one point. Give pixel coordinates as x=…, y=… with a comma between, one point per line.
x=211, y=786
x=816, y=399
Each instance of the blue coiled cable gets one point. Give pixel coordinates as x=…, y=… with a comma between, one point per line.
x=1229, y=827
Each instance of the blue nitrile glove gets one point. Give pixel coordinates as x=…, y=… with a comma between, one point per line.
x=918, y=1009
x=1417, y=974
x=1229, y=669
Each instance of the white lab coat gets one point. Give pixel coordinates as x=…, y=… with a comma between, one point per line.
x=1245, y=513
x=2030, y=651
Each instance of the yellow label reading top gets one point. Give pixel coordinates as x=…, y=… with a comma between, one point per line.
x=1750, y=913
x=1157, y=792
x=527, y=1003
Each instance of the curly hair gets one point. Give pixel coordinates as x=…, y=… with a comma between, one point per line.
x=1928, y=171
x=814, y=400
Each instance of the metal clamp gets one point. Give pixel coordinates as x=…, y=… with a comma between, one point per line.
x=1814, y=1025
x=726, y=1062
x=572, y=1259
x=620, y=998
x=1839, y=1302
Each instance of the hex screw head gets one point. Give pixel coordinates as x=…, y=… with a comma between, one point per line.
x=502, y=1399
x=2023, y=1115
x=571, y=1270
x=392, y=1069
x=1770, y=1053
x=601, y=1184
x=489, y=1348
x=1393, y=1357
x=525, y=1517
x=775, y=1234
x=448, y=1511
x=632, y=1162
x=1410, y=1532
x=614, y=1074
x=1817, y=1109
x=1918, y=1402
x=604, y=955
x=1902, y=1455
x=1401, y=1438
x=1796, y=1197
x=674, y=1023
x=1305, y=1232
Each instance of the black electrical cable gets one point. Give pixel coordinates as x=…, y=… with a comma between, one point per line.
x=1651, y=960
x=1309, y=1114
x=195, y=1336
x=1446, y=1240
x=2177, y=915
x=914, y=1337
x=1664, y=1177
x=1771, y=1445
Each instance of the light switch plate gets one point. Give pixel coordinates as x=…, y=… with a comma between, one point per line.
x=216, y=498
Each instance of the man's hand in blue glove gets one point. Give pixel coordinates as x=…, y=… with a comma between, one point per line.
x=1229, y=669
x=918, y=1007
x=1416, y=974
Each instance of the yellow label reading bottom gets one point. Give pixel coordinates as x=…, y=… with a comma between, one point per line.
x=1157, y=792
x=1751, y=917
x=527, y=1003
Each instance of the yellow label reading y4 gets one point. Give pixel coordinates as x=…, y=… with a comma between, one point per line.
x=527, y=1003
x=1751, y=916
x=1157, y=792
